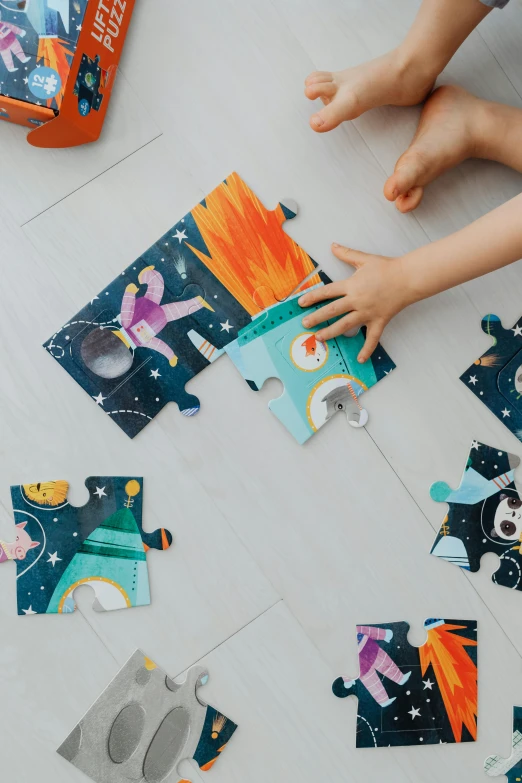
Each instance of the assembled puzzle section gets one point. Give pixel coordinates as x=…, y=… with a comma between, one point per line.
x=485, y=515
x=145, y=724
x=415, y=695
x=496, y=377
x=38, y=40
x=319, y=378
x=496, y=766
x=59, y=547
x=171, y=313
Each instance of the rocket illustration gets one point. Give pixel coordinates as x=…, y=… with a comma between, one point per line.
x=43, y=15
x=112, y=560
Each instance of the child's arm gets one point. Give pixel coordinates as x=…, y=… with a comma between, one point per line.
x=381, y=286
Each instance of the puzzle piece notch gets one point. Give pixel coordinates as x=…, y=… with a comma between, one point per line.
x=485, y=515
x=496, y=766
x=101, y=544
x=145, y=724
x=495, y=377
x=395, y=676
x=236, y=252
x=319, y=379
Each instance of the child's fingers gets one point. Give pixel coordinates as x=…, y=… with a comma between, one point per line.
x=330, y=291
x=343, y=325
x=328, y=118
x=373, y=335
x=319, y=76
x=331, y=310
x=355, y=258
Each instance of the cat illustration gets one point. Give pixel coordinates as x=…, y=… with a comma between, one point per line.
x=20, y=547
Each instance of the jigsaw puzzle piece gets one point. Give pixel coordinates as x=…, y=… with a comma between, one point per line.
x=485, y=515
x=495, y=766
x=496, y=377
x=320, y=379
x=171, y=313
x=145, y=724
x=102, y=544
x=414, y=695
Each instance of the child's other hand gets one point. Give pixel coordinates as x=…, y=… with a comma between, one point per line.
x=372, y=296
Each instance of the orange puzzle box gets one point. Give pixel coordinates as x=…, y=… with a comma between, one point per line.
x=58, y=62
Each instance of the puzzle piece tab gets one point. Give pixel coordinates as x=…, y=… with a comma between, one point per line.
x=59, y=547
x=415, y=695
x=485, y=515
x=171, y=313
x=496, y=377
x=320, y=379
x=495, y=766
x=145, y=724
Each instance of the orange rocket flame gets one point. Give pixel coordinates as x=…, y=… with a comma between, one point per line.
x=249, y=253
x=55, y=53
x=456, y=676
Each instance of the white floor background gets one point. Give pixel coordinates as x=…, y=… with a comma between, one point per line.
x=279, y=549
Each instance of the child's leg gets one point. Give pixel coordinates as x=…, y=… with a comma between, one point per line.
x=454, y=126
x=405, y=75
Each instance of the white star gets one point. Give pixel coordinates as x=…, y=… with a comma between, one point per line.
x=413, y=712
x=472, y=379
x=79, y=28
x=100, y=491
x=26, y=80
x=428, y=684
x=94, y=299
x=29, y=611
x=155, y=374
x=517, y=331
x=475, y=444
x=226, y=327
x=99, y=399
x=53, y=558
x=505, y=413
x=180, y=236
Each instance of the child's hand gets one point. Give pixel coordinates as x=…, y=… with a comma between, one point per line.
x=372, y=296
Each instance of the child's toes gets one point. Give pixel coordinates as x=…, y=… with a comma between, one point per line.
x=409, y=172
x=410, y=200
x=319, y=76
x=320, y=90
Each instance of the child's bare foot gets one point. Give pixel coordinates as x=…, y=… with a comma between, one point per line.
x=391, y=79
x=451, y=129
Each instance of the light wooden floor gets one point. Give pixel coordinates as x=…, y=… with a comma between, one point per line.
x=279, y=549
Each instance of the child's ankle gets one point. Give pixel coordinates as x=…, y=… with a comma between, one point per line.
x=414, y=65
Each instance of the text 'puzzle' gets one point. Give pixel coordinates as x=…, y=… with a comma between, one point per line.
x=485, y=515
x=59, y=547
x=415, y=695
x=145, y=724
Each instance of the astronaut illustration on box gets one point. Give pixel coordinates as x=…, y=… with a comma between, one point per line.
x=10, y=45
x=109, y=354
